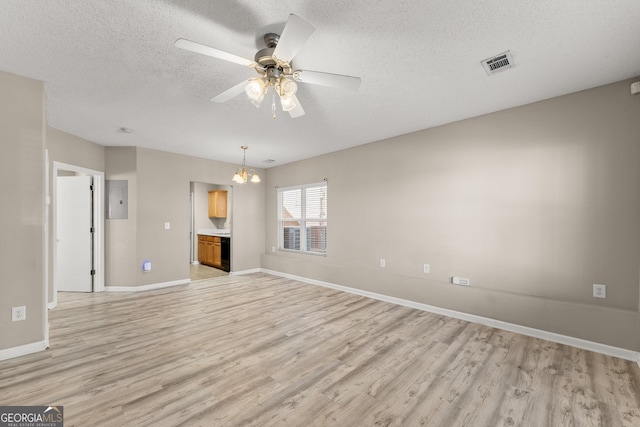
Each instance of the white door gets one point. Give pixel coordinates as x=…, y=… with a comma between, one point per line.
x=73, y=232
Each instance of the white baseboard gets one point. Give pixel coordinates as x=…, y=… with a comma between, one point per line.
x=608, y=350
x=143, y=288
x=251, y=271
x=22, y=350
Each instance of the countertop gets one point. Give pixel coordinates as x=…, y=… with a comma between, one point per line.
x=220, y=232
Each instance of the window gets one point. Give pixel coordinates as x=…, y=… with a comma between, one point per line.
x=302, y=218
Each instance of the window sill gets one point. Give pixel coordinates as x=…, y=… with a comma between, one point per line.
x=291, y=251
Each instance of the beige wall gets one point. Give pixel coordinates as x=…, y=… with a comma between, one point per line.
x=163, y=196
x=121, y=234
x=70, y=149
x=164, y=184
x=66, y=148
x=159, y=187
x=158, y=190
x=533, y=204
x=22, y=217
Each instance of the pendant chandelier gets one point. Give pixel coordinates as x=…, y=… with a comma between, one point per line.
x=243, y=175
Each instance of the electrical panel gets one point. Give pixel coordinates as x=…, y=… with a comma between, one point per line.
x=117, y=199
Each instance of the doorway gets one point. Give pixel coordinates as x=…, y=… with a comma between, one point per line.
x=73, y=255
x=201, y=222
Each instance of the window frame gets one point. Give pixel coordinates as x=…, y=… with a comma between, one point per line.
x=303, y=219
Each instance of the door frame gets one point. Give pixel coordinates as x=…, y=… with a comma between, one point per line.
x=98, y=223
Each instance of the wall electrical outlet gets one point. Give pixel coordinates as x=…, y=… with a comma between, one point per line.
x=460, y=281
x=167, y=225
x=426, y=268
x=18, y=313
x=383, y=263
x=599, y=291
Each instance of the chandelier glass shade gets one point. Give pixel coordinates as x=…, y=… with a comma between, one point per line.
x=243, y=174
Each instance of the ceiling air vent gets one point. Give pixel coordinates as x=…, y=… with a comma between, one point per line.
x=498, y=63
x=268, y=161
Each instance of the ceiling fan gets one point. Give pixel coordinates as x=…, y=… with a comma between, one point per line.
x=273, y=64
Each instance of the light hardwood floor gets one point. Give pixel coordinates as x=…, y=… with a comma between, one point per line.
x=266, y=351
x=200, y=272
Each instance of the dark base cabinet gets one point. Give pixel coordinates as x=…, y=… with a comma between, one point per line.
x=225, y=261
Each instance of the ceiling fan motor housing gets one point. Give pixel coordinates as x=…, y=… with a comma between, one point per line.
x=264, y=57
x=271, y=39
x=271, y=66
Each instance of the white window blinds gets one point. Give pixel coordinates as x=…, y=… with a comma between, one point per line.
x=302, y=218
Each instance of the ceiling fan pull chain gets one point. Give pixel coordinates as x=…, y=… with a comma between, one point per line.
x=273, y=103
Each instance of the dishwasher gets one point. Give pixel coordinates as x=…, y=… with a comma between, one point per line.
x=225, y=256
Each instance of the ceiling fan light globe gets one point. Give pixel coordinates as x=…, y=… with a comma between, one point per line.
x=257, y=102
x=255, y=90
x=288, y=88
x=288, y=103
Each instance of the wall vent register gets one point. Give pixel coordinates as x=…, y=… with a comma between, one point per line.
x=498, y=63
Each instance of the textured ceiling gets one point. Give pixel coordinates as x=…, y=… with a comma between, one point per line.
x=109, y=64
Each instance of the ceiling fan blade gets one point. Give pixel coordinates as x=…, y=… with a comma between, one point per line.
x=230, y=93
x=293, y=37
x=215, y=53
x=327, y=79
x=298, y=110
